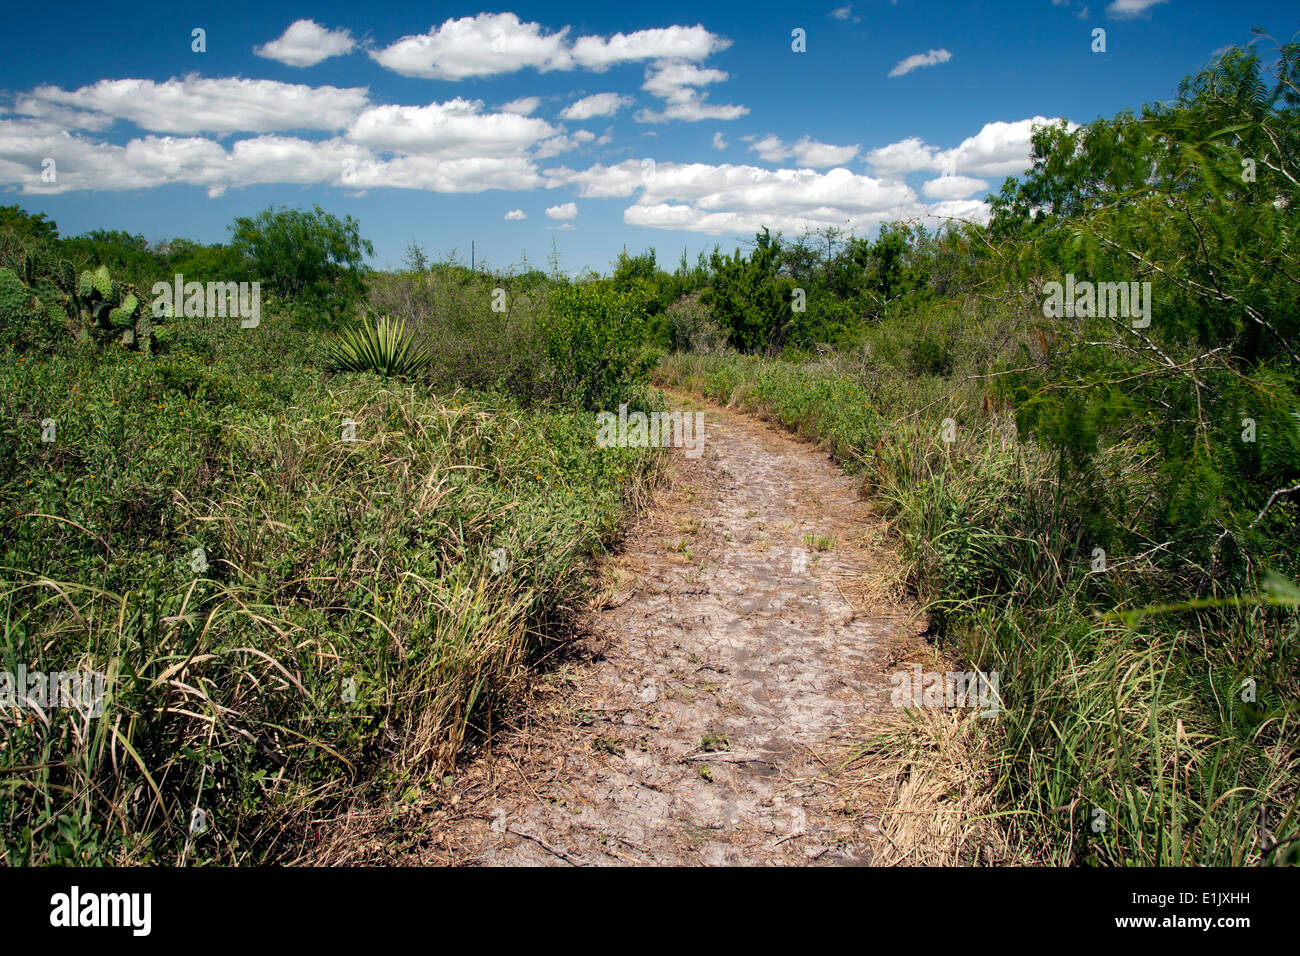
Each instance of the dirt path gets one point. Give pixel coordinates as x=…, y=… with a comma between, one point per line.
x=689, y=730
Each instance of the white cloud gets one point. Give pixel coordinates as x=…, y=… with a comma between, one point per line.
x=195, y=105
x=806, y=152
x=998, y=150
x=468, y=175
x=455, y=129
x=687, y=43
x=485, y=45
x=953, y=187
x=1127, y=9
x=671, y=80
x=495, y=43
x=918, y=60
x=692, y=111
x=598, y=181
x=524, y=106
x=556, y=145
x=905, y=156
x=674, y=82
x=152, y=161
x=456, y=146
x=288, y=159
x=752, y=189
x=846, y=13
x=598, y=104
x=306, y=43
x=727, y=198
x=83, y=164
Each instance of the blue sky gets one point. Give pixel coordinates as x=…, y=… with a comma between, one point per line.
x=672, y=125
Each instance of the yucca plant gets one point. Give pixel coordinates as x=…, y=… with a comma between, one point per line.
x=381, y=346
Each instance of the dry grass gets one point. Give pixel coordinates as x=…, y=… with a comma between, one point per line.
x=927, y=773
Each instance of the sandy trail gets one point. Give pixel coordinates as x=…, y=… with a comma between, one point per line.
x=691, y=725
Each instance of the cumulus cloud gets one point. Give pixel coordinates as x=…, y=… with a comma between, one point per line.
x=685, y=43
x=455, y=129
x=556, y=145
x=675, y=82
x=468, y=175
x=953, y=187
x=602, y=182
x=717, y=199
x=485, y=45
x=198, y=105
x=998, y=150
x=306, y=43
x=461, y=146
x=805, y=152
x=598, y=104
x=83, y=164
x=496, y=43
x=524, y=106
x=671, y=79
x=918, y=60
x=152, y=161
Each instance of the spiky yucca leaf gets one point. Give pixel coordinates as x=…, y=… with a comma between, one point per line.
x=382, y=347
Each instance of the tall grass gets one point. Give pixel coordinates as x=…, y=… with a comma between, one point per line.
x=358, y=608
x=1124, y=737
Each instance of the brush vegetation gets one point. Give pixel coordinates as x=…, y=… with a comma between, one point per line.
x=315, y=558
x=1103, y=512
x=303, y=585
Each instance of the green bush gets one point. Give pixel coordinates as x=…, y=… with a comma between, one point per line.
x=314, y=258
x=595, y=345
x=346, y=627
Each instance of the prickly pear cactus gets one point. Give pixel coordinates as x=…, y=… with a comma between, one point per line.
x=13, y=297
x=111, y=308
x=102, y=283
x=42, y=296
x=30, y=316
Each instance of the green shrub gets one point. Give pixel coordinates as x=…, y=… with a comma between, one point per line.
x=595, y=345
x=346, y=627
